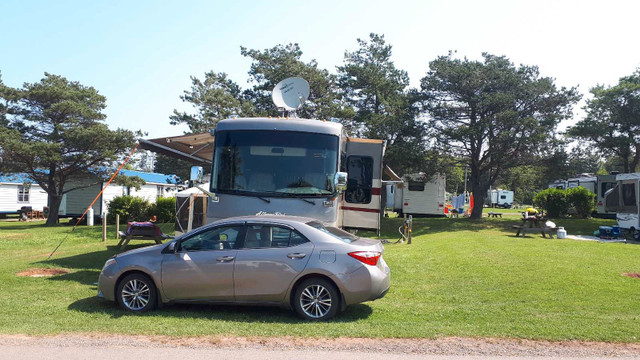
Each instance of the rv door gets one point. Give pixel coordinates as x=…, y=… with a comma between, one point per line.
x=361, y=202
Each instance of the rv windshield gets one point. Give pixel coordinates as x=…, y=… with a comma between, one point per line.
x=274, y=163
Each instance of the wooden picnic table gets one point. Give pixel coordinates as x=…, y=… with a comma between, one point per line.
x=534, y=224
x=494, y=214
x=141, y=231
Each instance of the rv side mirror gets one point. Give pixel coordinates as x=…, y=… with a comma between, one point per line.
x=340, y=181
x=196, y=174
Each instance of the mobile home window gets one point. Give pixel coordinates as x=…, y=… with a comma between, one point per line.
x=360, y=179
x=23, y=193
x=416, y=186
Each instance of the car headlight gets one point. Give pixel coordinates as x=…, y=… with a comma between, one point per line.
x=109, y=262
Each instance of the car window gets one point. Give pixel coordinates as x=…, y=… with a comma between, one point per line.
x=334, y=231
x=271, y=236
x=219, y=238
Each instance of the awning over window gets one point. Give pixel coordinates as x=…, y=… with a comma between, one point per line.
x=195, y=148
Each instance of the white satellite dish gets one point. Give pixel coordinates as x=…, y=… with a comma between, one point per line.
x=290, y=93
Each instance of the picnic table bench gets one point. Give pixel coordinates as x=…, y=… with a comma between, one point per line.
x=494, y=214
x=141, y=231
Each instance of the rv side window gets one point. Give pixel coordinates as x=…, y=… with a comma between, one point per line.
x=416, y=186
x=503, y=197
x=629, y=197
x=360, y=179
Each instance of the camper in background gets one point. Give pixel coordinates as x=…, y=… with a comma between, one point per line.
x=558, y=184
x=604, y=184
x=499, y=198
x=419, y=194
x=624, y=200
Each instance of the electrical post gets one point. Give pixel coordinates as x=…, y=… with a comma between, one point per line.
x=410, y=226
x=117, y=226
x=104, y=228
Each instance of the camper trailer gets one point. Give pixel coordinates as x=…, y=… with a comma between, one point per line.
x=499, y=198
x=558, y=184
x=17, y=191
x=587, y=181
x=604, y=184
x=419, y=194
x=624, y=199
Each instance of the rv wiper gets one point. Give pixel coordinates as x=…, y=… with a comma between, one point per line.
x=307, y=201
x=264, y=199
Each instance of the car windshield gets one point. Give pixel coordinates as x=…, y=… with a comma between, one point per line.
x=334, y=231
x=274, y=163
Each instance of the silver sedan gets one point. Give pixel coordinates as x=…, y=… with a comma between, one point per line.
x=286, y=261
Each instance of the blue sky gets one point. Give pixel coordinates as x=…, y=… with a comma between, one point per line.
x=140, y=54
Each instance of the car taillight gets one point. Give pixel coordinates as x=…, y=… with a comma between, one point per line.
x=367, y=257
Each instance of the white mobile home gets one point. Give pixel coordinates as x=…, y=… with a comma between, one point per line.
x=17, y=191
x=75, y=202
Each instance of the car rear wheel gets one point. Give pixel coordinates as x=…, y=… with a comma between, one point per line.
x=316, y=299
x=137, y=293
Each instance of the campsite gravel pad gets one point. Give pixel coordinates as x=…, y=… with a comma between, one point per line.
x=35, y=272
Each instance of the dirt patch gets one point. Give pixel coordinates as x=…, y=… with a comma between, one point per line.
x=12, y=235
x=35, y=272
x=632, y=275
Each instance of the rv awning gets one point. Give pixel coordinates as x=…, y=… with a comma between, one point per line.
x=195, y=148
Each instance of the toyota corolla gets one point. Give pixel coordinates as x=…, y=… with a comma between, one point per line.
x=292, y=262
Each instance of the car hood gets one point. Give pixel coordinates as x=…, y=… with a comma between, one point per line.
x=146, y=249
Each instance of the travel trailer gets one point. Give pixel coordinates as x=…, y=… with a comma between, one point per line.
x=286, y=165
x=587, y=181
x=418, y=194
x=499, y=198
x=16, y=191
x=624, y=200
x=605, y=182
x=558, y=184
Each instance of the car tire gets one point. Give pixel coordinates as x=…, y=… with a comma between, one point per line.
x=137, y=293
x=316, y=299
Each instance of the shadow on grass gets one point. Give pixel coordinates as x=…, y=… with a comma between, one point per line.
x=85, y=277
x=261, y=314
x=93, y=260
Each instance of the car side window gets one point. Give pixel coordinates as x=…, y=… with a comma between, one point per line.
x=271, y=236
x=219, y=238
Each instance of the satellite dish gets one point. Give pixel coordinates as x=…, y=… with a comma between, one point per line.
x=290, y=93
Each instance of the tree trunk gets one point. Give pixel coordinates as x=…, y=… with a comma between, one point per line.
x=54, y=209
x=479, y=190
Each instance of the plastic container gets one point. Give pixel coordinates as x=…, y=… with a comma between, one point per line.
x=562, y=233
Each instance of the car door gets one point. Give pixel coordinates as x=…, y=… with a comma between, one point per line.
x=270, y=259
x=202, y=266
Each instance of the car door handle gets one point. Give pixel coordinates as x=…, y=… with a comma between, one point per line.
x=296, y=255
x=225, y=258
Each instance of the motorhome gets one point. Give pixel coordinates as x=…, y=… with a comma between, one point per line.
x=558, y=184
x=624, y=200
x=499, y=198
x=419, y=194
x=286, y=165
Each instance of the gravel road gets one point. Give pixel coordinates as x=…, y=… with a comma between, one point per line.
x=102, y=346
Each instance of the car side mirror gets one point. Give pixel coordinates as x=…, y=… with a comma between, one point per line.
x=340, y=181
x=196, y=174
x=171, y=249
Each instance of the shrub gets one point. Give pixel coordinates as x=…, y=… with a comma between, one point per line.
x=553, y=202
x=581, y=200
x=164, y=209
x=130, y=208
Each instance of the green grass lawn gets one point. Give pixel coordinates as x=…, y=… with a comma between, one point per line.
x=458, y=278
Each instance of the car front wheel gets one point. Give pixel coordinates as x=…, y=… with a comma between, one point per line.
x=137, y=293
x=316, y=300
